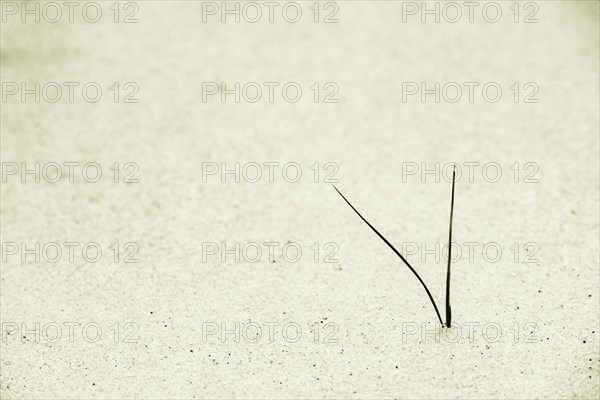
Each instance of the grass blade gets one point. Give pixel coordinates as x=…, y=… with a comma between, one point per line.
x=448, y=308
x=396, y=252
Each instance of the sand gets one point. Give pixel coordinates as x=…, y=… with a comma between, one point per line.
x=184, y=323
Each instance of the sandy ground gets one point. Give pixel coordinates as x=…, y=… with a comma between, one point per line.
x=522, y=329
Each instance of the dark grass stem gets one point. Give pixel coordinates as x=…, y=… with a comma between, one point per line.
x=448, y=308
x=397, y=253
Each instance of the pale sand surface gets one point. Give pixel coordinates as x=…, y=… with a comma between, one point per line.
x=369, y=294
